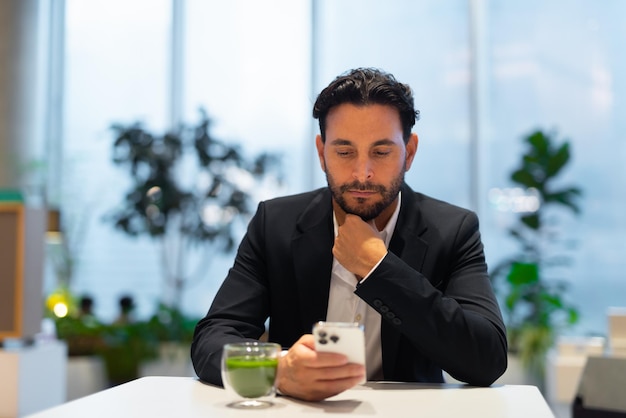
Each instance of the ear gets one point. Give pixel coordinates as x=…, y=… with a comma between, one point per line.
x=411, y=149
x=319, y=144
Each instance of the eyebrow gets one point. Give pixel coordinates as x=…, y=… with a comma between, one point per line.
x=381, y=142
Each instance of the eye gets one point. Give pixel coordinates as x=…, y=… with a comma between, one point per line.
x=342, y=152
x=381, y=152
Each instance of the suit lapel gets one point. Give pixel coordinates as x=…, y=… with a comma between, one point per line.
x=312, y=257
x=407, y=244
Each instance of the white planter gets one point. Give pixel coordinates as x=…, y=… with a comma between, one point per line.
x=174, y=360
x=85, y=375
x=515, y=374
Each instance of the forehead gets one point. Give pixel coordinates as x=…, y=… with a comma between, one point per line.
x=372, y=122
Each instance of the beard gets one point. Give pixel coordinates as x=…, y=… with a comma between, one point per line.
x=365, y=211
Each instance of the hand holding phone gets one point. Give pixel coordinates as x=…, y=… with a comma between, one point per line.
x=346, y=338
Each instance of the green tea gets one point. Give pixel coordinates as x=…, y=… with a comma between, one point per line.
x=250, y=377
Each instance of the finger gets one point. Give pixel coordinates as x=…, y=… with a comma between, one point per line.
x=352, y=216
x=343, y=373
x=303, y=351
x=320, y=390
x=352, y=219
x=307, y=340
x=327, y=359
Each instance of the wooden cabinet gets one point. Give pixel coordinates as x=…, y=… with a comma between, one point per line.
x=22, y=245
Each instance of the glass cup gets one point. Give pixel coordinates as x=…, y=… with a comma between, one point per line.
x=249, y=370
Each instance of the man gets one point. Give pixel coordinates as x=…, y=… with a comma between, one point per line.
x=365, y=249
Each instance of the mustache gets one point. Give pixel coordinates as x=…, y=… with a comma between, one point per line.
x=363, y=187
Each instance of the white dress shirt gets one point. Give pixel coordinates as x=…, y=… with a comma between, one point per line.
x=345, y=306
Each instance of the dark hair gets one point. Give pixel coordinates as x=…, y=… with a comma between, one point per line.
x=126, y=303
x=86, y=302
x=364, y=86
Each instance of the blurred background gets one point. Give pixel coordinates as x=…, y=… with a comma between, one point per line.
x=486, y=75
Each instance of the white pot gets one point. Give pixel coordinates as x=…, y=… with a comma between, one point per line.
x=85, y=375
x=174, y=360
x=515, y=374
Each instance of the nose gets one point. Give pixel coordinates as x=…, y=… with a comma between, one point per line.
x=363, y=170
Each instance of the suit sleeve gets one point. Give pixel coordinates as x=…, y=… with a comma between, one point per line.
x=446, y=310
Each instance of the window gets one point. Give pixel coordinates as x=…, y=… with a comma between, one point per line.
x=257, y=66
x=116, y=71
x=559, y=66
x=246, y=65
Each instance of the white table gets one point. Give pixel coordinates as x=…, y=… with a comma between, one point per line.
x=187, y=397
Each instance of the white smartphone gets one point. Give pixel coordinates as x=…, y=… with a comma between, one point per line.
x=346, y=338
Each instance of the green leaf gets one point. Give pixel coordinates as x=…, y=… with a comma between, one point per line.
x=539, y=142
x=553, y=300
x=532, y=221
x=557, y=161
x=566, y=198
x=573, y=316
x=525, y=178
x=523, y=274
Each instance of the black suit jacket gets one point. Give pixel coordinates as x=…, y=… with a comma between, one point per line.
x=432, y=290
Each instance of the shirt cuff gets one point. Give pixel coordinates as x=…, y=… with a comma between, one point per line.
x=373, y=268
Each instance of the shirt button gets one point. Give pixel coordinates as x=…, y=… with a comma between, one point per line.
x=358, y=317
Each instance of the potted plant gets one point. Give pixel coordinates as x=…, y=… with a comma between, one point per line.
x=125, y=347
x=535, y=305
x=121, y=348
x=174, y=332
x=187, y=191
